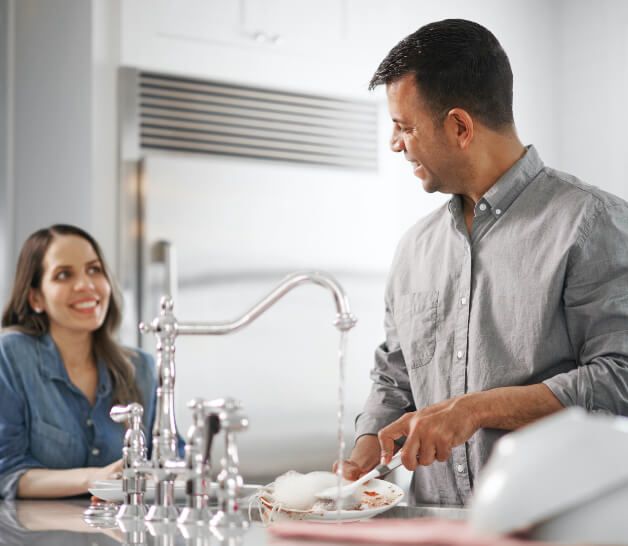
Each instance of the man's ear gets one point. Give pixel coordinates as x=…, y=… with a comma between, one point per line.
x=459, y=126
x=36, y=300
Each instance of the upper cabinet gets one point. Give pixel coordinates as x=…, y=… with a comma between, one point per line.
x=307, y=24
x=252, y=23
x=233, y=39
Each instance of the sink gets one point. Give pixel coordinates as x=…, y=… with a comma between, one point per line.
x=426, y=511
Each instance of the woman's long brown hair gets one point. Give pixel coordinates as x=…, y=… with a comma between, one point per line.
x=19, y=315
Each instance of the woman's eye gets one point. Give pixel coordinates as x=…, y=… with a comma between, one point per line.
x=94, y=269
x=62, y=275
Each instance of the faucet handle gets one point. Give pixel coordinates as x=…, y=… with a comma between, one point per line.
x=197, y=405
x=134, y=449
x=133, y=454
x=130, y=413
x=223, y=404
x=229, y=411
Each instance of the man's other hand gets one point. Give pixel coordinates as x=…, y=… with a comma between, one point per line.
x=364, y=457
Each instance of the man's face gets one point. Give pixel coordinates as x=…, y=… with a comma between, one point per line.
x=417, y=135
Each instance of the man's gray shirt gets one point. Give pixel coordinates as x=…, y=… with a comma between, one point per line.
x=537, y=293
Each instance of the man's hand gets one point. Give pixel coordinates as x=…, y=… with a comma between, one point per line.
x=364, y=457
x=431, y=433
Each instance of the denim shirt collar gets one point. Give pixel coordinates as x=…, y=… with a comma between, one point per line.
x=51, y=366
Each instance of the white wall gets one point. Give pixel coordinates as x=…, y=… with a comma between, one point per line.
x=52, y=115
x=592, y=86
x=6, y=109
x=64, y=158
x=105, y=52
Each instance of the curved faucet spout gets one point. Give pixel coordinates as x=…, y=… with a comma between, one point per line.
x=345, y=320
x=166, y=328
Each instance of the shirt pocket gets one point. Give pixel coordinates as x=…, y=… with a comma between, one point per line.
x=416, y=320
x=54, y=447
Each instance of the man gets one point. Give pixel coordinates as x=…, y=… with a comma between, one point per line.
x=503, y=306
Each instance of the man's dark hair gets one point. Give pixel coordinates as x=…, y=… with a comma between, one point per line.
x=456, y=63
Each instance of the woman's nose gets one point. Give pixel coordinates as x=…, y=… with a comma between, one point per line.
x=83, y=281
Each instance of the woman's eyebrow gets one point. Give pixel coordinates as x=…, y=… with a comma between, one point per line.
x=61, y=266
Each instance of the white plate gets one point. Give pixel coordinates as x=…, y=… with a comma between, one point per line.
x=111, y=491
x=377, y=497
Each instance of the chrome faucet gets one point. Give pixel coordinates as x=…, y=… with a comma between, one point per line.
x=166, y=464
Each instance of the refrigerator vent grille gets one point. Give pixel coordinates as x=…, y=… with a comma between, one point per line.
x=206, y=117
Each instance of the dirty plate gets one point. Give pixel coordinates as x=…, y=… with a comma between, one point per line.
x=377, y=496
x=111, y=491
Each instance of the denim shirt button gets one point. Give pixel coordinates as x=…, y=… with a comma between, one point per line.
x=89, y=422
x=95, y=452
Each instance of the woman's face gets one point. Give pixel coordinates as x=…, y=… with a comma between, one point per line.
x=74, y=290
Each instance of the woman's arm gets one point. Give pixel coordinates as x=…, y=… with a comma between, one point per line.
x=41, y=483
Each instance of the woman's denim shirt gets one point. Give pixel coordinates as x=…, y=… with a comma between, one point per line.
x=47, y=422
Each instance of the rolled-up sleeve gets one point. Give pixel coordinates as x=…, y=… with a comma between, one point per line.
x=15, y=457
x=390, y=395
x=596, y=312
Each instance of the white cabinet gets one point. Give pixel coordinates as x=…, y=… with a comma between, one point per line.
x=202, y=20
x=231, y=39
x=301, y=24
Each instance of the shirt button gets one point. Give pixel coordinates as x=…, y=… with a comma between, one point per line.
x=498, y=211
x=460, y=468
x=482, y=206
x=463, y=301
x=95, y=452
x=459, y=354
x=89, y=422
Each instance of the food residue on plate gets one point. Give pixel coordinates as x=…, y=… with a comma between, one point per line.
x=292, y=496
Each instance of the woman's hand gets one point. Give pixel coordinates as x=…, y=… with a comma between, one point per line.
x=43, y=483
x=109, y=472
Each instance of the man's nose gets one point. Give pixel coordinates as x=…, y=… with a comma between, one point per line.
x=396, y=142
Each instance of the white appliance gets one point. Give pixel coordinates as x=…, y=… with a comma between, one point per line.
x=563, y=479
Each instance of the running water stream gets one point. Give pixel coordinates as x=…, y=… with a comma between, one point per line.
x=342, y=354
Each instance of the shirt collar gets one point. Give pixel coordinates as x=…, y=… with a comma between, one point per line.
x=51, y=366
x=508, y=187
x=50, y=363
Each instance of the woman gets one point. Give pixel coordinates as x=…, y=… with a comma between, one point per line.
x=61, y=369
